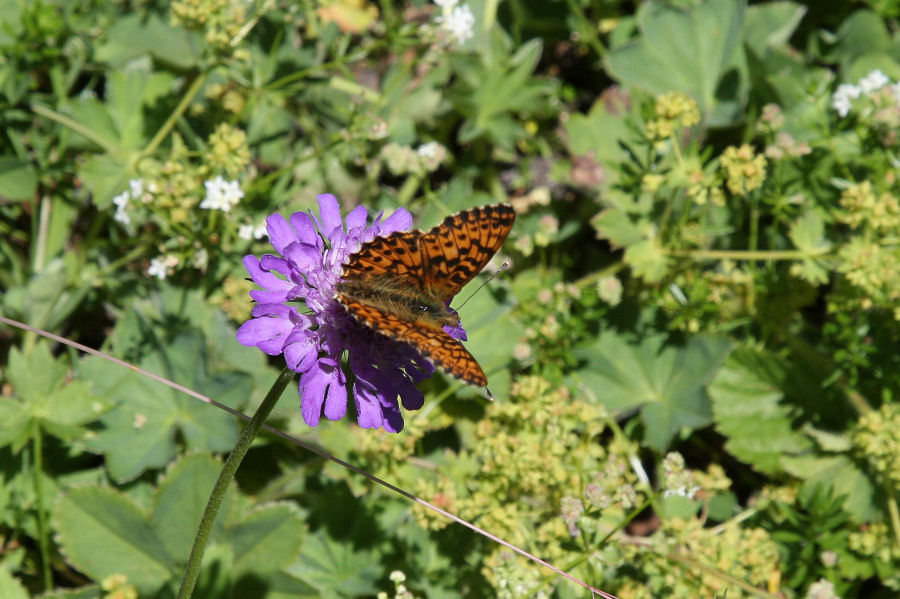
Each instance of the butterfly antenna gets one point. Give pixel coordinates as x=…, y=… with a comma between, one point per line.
x=503, y=267
x=490, y=395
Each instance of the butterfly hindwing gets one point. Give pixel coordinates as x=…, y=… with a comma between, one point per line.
x=436, y=345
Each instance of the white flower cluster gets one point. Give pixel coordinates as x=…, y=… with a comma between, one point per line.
x=161, y=265
x=251, y=232
x=221, y=194
x=457, y=20
x=137, y=191
x=842, y=99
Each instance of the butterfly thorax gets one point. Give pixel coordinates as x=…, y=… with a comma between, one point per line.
x=391, y=295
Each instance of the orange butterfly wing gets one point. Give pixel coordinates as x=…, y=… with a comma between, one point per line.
x=441, y=261
x=443, y=350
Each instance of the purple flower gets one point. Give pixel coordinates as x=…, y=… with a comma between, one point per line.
x=314, y=335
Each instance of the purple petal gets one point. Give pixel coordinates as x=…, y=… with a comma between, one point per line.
x=300, y=350
x=280, y=233
x=303, y=224
x=330, y=215
x=409, y=394
x=357, y=218
x=303, y=256
x=268, y=334
x=276, y=309
x=269, y=262
x=261, y=275
x=393, y=419
x=399, y=220
x=313, y=385
x=368, y=408
x=336, y=402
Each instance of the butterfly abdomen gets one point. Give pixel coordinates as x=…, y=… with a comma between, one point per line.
x=406, y=303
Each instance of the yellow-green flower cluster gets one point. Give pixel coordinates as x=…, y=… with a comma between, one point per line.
x=402, y=159
x=219, y=20
x=876, y=439
x=749, y=554
x=116, y=587
x=862, y=205
x=745, y=170
x=875, y=270
x=705, y=188
x=672, y=111
x=515, y=577
x=875, y=542
x=228, y=151
x=521, y=462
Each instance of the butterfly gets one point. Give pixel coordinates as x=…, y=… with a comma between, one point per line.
x=400, y=285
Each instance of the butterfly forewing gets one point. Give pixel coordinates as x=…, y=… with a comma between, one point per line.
x=396, y=255
x=457, y=249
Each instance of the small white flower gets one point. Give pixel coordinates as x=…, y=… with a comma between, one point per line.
x=428, y=150
x=221, y=194
x=137, y=188
x=842, y=99
x=842, y=106
x=682, y=491
x=251, y=232
x=446, y=4
x=874, y=81
x=121, y=202
x=459, y=23
x=159, y=266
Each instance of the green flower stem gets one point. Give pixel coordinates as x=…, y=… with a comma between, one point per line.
x=229, y=468
x=42, y=530
x=893, y=512
x=77, y=127
x=167, y=127
x=746, y=255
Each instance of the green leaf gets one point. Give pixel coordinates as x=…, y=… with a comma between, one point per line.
x=180, y=500
x=18, y=179
x=842, y=476
x=44, y=400
x=268, y=539
x=101, y=532
x=863, y=32
x=106, y=176
x=10, y=588
x=336, y=569
x=771, y=25
x=140, y=433
x=618, y=228
x=135, y=35
x=696, y=51
x=667, y=382
x=746, y=400
x=647, y=260
x=808, y=234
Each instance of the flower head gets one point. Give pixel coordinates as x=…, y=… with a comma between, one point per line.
x=312, y=252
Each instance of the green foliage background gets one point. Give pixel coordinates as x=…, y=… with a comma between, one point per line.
x=694, y=350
